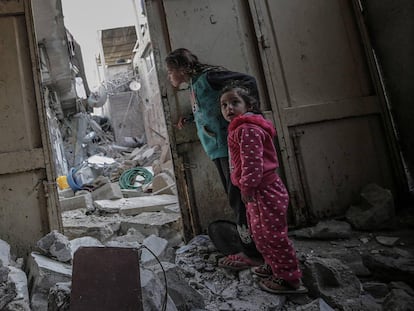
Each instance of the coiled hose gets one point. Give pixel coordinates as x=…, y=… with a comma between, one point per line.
x=127, y=179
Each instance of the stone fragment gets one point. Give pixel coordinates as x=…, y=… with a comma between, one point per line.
x=17, y=305
x=398, y=299
x=391, y=265
x=77, y=202
x=153, y=292
x=7, y=294
x=83, y=242
x=376, y=289
x=316, y=305
x=109, y=191
x=387, y=240
x=56, y=245
x=59, y=297
x=376, y=210
x=43, y=274
x=325, y=230
x=331, y=280
x=160, y=224
x=158, y=247
x=77, y=224
x=19, y=279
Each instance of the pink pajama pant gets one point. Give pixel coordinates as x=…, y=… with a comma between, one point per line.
x=267, y=218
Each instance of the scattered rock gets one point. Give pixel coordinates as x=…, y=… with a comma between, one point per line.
x=376, y=210
x=387, y=240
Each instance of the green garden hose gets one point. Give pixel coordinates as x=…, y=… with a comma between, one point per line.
x=127, y=179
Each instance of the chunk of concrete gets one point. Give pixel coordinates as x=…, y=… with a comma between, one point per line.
x=376, y=210
x=325, y=230
x=158, y=247
x=59, y=297
x=43, y=274
x=77, y=202
x=66, y=193
x=56, y=245
x=184, y=296
x=7, y=294
x=19, y=278
x=76, y=224
x=331, y=280
x=135, y=206
x=163, y=184
x=83, y=242
x=153, y=292
x=159, y=224
x=109, y=191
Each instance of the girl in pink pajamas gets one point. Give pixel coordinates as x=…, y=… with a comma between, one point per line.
x=253, y=163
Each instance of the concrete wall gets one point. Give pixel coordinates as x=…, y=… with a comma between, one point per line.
x=126, y=116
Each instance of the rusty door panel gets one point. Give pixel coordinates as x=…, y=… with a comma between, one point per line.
x=219, y=33
x=349, y=158
x=28, y=200
x=327, y=113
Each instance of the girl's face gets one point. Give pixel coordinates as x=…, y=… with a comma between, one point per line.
x=232, y=105
x=177, y=76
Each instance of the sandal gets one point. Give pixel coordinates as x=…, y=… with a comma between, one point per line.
x=236, y=262
x=263, y=271
x=279, y=286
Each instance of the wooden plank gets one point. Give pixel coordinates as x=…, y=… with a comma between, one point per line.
x=21, y=161
x=331, y=110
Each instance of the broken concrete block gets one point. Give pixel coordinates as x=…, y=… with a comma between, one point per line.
x=77, y=202
x=326, y=230
x=17, y=305
x=66, y=193
x=131, y=236
x=7, y=294
x=56, y=245
x=184, y=296
x=19, y=279
x=163, y=184
x=109, y=191
x=83, y=242
x=387, y=240
x=376, y=210
x=153, y=292
x=391, y=265
x=133, y=193
x=316, y=305
x=4, y=253
x=43, y=274
x=331, y=280
x=398, y=299
x=159, y=224
x=77, y=224
x=4, y=274
x=157, y=245
x=59, y=297
x=135, y=206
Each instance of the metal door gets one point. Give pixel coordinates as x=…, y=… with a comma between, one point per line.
x=28, y=199
x=327, y=110
x=219, y=33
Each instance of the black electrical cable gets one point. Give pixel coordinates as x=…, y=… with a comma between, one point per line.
x=164, y=303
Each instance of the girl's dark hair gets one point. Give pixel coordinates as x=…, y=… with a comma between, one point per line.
x=244, y=92
x=183, y=59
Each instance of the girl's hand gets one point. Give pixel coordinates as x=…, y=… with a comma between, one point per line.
x=182, y=121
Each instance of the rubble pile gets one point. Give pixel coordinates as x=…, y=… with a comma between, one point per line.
x=343, y=268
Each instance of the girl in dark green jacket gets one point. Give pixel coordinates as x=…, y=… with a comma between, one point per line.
x=206, y=82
